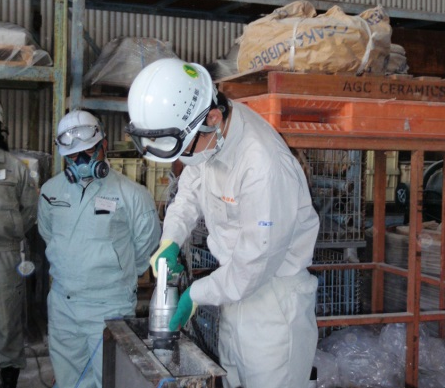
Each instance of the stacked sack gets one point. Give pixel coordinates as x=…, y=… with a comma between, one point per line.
x=294, y=38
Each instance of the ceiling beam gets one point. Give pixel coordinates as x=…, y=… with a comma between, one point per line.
x=226, y=12
x=324, y=5
x=164, y=8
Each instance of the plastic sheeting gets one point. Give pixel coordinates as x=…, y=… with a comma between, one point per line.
x=38, y=163
x=370, y=357
x=123, y=58
x=19, y=49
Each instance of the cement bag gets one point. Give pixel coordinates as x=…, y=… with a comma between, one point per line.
x=294, y=38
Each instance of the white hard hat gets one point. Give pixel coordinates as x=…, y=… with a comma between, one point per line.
x=167, y=103
x=78, y=131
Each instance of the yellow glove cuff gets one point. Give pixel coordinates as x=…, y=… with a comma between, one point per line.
x=168, y=249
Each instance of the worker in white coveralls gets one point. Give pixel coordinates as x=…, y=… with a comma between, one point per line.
x=100, y=229
x=241, y=176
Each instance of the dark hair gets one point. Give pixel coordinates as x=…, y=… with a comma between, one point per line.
x=223, y=105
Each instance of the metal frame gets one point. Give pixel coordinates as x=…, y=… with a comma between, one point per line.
x=413, y=316
x=55, y=75
x=319, y=122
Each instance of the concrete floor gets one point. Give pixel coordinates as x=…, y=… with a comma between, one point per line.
x=38, y=372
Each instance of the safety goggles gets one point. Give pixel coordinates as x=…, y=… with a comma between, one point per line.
x=84, y=133
x=163, y=143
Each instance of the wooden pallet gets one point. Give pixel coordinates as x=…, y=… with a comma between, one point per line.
x=16, y=55
x=274, y=80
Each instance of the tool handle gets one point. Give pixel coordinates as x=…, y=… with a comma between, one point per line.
x=161, y=285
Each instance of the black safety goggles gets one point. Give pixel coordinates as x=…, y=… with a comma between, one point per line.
x=177, y=134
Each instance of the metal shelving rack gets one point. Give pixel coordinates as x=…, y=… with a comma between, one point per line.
x=54, y=75
x=378, y=125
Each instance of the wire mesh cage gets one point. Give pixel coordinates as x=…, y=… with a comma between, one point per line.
x=199, y=235
x=338, y=289
x=203, y=327
x=336, y=180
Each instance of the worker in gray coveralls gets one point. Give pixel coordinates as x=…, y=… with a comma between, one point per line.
x=18, y=213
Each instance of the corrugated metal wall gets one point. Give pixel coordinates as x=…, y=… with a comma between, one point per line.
x=193, y=40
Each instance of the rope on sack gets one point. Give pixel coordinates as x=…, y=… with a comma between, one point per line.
x=294, y=42
x=369, y=47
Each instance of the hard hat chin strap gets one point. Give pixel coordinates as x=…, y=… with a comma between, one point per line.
x=219, y=139
x=220, y=135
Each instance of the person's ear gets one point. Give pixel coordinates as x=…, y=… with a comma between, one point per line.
x=214, y=117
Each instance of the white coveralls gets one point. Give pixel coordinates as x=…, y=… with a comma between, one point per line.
x=18, y=213
x=99, y=240
x=262, y=229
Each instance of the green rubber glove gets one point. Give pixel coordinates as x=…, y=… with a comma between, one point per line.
x=186, y=309
x=168, y=250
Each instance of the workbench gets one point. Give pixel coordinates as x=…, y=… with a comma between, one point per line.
x=379, y=113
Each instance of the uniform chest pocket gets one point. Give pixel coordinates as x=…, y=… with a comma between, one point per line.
x=233, y=212
x=216, y=208
x=62, y=220
x=224, y=209
x=108, y=224
x=8, y=194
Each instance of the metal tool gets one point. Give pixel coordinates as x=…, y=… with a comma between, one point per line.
x=163, y=305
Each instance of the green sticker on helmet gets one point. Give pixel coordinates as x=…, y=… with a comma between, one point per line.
x=190, y=70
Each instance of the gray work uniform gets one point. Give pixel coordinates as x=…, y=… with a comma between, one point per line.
x=18, y=211
x=99, y=239
x=262, y=227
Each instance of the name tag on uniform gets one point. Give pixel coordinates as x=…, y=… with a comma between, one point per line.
x=2, y=174
x=103, y=204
